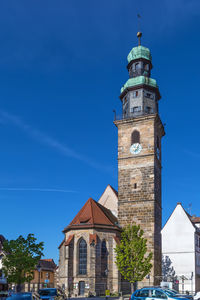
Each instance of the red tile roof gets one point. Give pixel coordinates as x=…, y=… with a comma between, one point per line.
x=195, y=219
x=93, y=214
x=47, y=264
x=61, y=244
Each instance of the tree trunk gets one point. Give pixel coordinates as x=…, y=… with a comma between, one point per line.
x=18, y=288
x=132, y=287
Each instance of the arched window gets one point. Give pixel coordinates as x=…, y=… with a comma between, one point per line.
x=137, y=66
x=104, y=259
x=82, y=251
x=135, y=137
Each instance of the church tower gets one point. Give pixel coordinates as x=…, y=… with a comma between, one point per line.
x=140, y=131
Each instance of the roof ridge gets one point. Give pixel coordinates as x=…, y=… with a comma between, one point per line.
x=92, y=213
x=81, y=210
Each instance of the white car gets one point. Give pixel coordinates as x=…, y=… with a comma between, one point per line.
x=197, y=296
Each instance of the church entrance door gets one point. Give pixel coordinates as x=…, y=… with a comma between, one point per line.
x=81, y=288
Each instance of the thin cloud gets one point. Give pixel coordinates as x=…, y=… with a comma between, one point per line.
x=192, y=153
x=49, y=141
x=37, y=190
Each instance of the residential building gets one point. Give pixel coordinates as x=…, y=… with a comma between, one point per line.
x=45, y=277
x=181, y=248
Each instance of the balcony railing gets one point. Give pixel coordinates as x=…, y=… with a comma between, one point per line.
x=131, y=115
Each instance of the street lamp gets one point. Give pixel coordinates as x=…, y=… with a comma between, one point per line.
x=39, y=270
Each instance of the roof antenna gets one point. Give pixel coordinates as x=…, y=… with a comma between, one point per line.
x=139, y=34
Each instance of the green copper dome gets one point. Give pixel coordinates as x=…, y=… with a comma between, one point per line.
x=139, y=80
x=139, y=52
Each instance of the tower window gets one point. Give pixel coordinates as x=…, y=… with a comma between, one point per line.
x=137, y=66
x=136, y=109
x=148, y=109
x=147, y=67
x=135, y=186
x=135, y=137
x=135, y=94
x=82, y=257
x=149, y=95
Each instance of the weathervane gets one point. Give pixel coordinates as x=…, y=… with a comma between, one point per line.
x=139, y=34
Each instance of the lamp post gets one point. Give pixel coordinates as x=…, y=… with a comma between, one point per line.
x=39, y=270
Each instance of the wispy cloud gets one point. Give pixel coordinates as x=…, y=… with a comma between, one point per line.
x=49, y=190
x=192, y=153
x=49, y=141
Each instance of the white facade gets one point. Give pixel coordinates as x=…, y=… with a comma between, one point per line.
x=180, y=243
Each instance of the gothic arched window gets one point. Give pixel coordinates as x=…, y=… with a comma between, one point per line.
x=135, y=137
x=104, y=258
x=82, y=252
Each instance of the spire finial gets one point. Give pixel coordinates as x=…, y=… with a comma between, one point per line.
x=139, y=35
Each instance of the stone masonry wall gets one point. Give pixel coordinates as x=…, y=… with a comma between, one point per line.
x=139, y=183
x=95, y=281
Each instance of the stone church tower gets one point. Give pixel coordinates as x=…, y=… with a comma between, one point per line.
x=140, y=131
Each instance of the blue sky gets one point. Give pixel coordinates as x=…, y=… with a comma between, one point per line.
x=62, y=64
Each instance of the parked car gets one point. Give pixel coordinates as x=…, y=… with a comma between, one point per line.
x=51, y=294
x=154, y=293
x=23, y=296
x=188, y=296
x=3, y=295
x=197, y=296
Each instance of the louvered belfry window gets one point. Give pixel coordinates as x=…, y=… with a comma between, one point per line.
x=82, y=257
x=135, y=137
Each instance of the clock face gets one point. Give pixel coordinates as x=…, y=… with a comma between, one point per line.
x=135, y=148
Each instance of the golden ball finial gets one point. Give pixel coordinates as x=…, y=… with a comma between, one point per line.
x=139, y=35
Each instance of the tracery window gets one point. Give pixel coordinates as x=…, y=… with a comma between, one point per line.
x=135, y=137
x=104, y=258
x=82, y=251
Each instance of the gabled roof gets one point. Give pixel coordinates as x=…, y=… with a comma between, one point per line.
x=192, y=219
x=109, y=199
x=93, y=214
x=47, y=264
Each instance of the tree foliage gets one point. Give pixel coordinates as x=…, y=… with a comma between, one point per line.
x=22, y=256
x=132, y=259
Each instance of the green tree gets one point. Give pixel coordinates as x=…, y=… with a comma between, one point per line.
x=22, y=256
x=132, y=259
